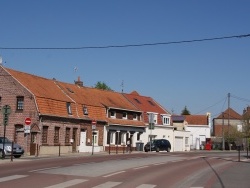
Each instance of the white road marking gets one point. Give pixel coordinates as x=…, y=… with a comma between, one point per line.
x=146, y=186
x=8, y=178
x=67, y=183
x=140, y=167
x=108, y=184
x=159, y=164
x=113, y=174
x=44, y=169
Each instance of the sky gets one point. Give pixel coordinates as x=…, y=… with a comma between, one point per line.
x=198, y=75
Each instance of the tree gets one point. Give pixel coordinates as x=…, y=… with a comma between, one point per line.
x=185, y=111
x=103, y=86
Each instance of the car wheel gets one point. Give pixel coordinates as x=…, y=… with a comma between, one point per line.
x=168, y=150
x=157, y=149
x=17, y=156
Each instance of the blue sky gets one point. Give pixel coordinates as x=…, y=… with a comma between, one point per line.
x=198, y=75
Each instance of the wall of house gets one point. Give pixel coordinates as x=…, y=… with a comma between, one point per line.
x=9, y=90
x=185, y=137
x=159, y=132
x=198, y=134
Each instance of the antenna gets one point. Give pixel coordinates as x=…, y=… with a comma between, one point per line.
x=122, y=85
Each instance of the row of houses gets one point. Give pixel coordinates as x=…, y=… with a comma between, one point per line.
x=76, y=118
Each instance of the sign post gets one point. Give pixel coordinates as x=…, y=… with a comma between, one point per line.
x=6, y=112
x=27, y=123
x=93, y=137
x=151, y=127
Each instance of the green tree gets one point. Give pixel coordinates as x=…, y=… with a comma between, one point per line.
x=185, y=111
x=103, y=86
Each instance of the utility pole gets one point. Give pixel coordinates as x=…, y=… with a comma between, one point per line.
x=228, y=113
x=223, y=133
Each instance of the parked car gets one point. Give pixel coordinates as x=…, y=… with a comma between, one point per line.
x=18, y=151
x=158, y=145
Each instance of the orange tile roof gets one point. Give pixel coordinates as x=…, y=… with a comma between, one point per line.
x=196, y=119
x=146, y=104
x=51, y=97
x=230, y=114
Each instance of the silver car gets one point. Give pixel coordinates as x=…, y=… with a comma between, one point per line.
x=18, y=151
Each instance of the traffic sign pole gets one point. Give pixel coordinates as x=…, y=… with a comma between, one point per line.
x=6, y=112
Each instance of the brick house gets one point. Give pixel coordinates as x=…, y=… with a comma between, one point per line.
x=62, y=115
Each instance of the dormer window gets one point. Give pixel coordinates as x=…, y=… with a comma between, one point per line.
x=124, y=115
x=165, y=120
x=112, y=114
x=85, y=110
x=69, y=108
x=135, y=117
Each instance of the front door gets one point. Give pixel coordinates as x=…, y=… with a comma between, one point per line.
x=82, y=147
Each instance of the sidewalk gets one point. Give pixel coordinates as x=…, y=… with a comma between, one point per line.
x=80, y=154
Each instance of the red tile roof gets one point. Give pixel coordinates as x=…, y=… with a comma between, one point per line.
x=196, y=119
x=52, y=95
x=146, y=104
x=230, y=114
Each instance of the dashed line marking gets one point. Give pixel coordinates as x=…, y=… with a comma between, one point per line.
x=44, y=169
x=140, y=167
x=113, y=174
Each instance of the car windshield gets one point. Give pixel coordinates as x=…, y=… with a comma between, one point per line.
x=6, y=140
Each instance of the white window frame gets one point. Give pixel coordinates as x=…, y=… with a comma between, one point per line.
x=112, y=137
x=136, y=116
x=112, y=116
x=165, y=120
x=124, y=117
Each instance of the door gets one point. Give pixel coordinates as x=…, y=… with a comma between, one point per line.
x=82, y=147
x=178, y=144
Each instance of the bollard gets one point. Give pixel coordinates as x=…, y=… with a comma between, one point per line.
x=11, y=156
x=59, y=150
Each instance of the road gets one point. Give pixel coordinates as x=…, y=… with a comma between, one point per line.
x=138, y=170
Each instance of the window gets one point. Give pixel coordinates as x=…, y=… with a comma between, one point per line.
x=56, y=135
x=45, y=134
x=137, y=101
x=19, y=103
x=124, y=115
x=85, y=110
x=67, y=136
x=135, y=117
x=69, y=108
x=112, y=114
x=111, y=137
x=150, y=102
x=166, y=120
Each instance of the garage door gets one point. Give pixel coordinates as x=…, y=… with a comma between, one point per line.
x=178, y=144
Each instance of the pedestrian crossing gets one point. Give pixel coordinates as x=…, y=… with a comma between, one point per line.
x=74, y=182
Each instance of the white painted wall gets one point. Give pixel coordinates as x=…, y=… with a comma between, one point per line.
x=198, y=133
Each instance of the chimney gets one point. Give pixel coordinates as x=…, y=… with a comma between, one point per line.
x=79, y=82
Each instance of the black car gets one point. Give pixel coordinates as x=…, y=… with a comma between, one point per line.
x=158, y=145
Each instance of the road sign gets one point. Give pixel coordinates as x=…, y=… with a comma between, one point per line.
x=27, y=121
x=93, y=124
x=6, y=110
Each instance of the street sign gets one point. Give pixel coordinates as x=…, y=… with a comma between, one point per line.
x=27, y=121
x=6, y=110
x=93, y=124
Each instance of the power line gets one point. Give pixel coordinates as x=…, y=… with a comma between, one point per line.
x=125, y=46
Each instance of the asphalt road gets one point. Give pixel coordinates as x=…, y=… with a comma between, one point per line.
x=136, y=170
